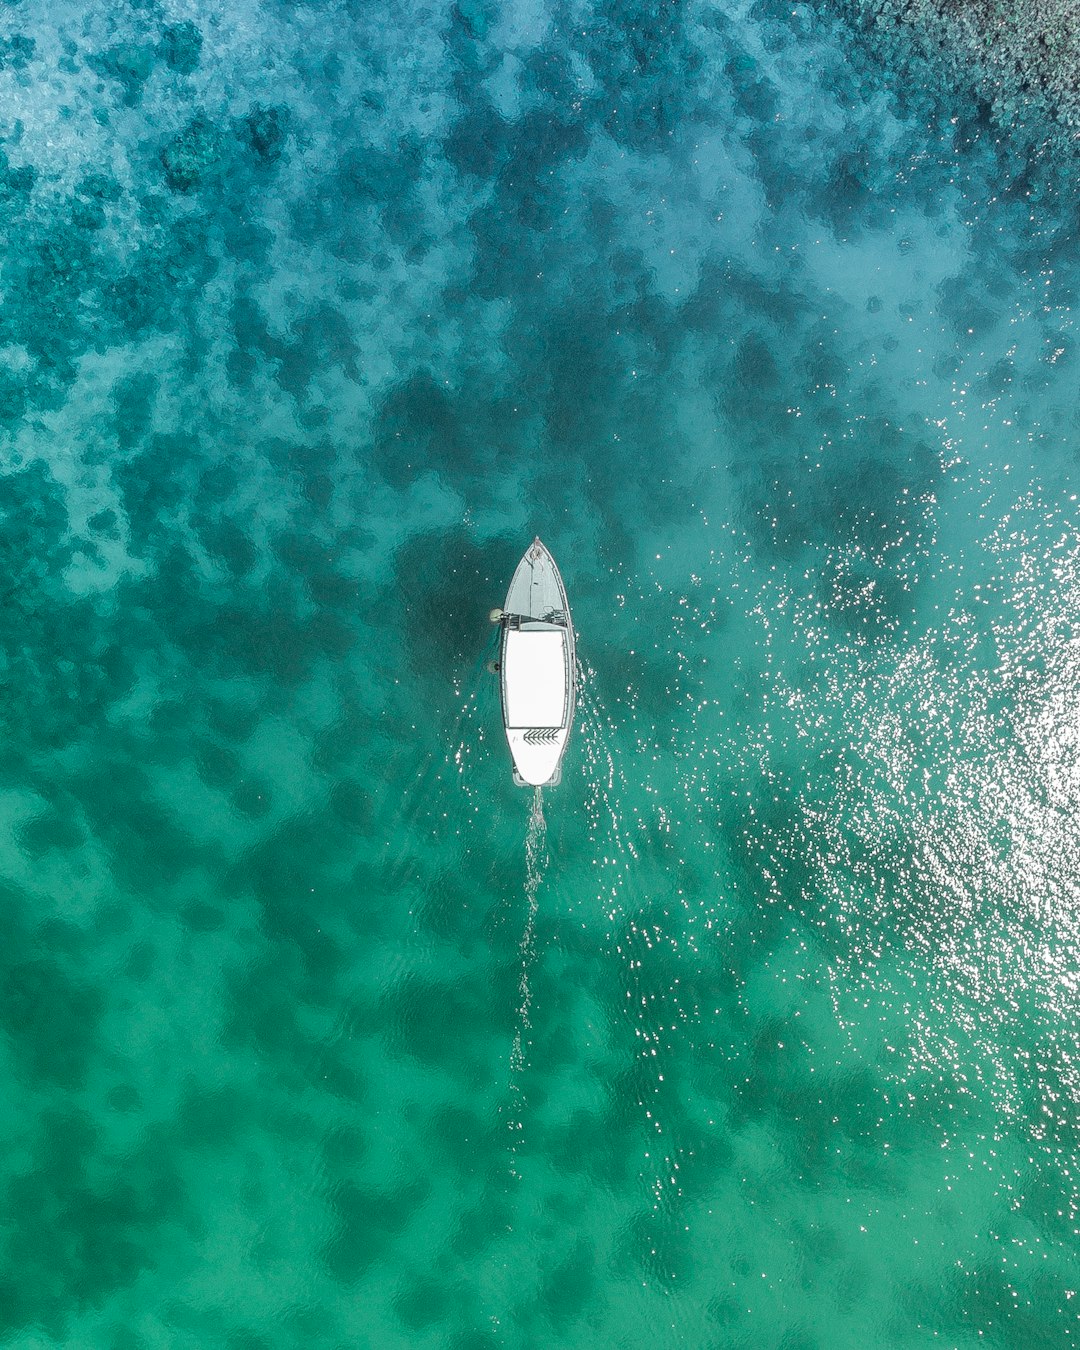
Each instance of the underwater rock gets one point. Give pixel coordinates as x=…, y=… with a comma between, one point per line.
x=130, y=64
x=87, y=215
x=13, y=398
x=193, y=156
x=1024, y=59
x=98, y=186
x=16, y=51
x=15, y=182
x=265, y=130
x=133, y=301
x=181, y=47
x=92, y=194
x=474, y=18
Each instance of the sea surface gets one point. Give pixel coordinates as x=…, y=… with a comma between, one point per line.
x=762, y=1030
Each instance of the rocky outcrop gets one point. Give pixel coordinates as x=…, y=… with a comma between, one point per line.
x=1023, y=56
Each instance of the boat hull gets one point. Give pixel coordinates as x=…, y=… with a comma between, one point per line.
x=538, y=669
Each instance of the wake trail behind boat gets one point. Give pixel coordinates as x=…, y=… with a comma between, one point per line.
x=536, y=859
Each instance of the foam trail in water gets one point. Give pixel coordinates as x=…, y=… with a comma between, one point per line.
x=536, y=858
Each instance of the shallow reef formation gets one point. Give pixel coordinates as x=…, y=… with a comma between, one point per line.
x=309, y=313
x=1023, y=58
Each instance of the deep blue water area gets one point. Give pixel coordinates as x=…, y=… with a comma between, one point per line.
x=762, y=1030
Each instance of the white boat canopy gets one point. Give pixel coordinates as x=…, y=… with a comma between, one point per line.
x=537, y=675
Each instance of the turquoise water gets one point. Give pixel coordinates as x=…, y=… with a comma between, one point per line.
x=761, y=1029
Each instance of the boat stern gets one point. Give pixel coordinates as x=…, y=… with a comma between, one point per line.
x=537, y=754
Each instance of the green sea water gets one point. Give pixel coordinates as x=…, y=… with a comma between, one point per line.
x=761, y=1030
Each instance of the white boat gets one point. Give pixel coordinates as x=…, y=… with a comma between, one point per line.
x=537, y=669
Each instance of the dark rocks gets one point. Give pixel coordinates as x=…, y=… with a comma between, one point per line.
x=1023, y=59
x=193, y=156
x=265, y=130
x=16, y=52
x=129, y=63
x=181, y=47
x=15, y=183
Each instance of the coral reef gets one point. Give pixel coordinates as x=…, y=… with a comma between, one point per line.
x=309, y=313
x=1023, y=58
